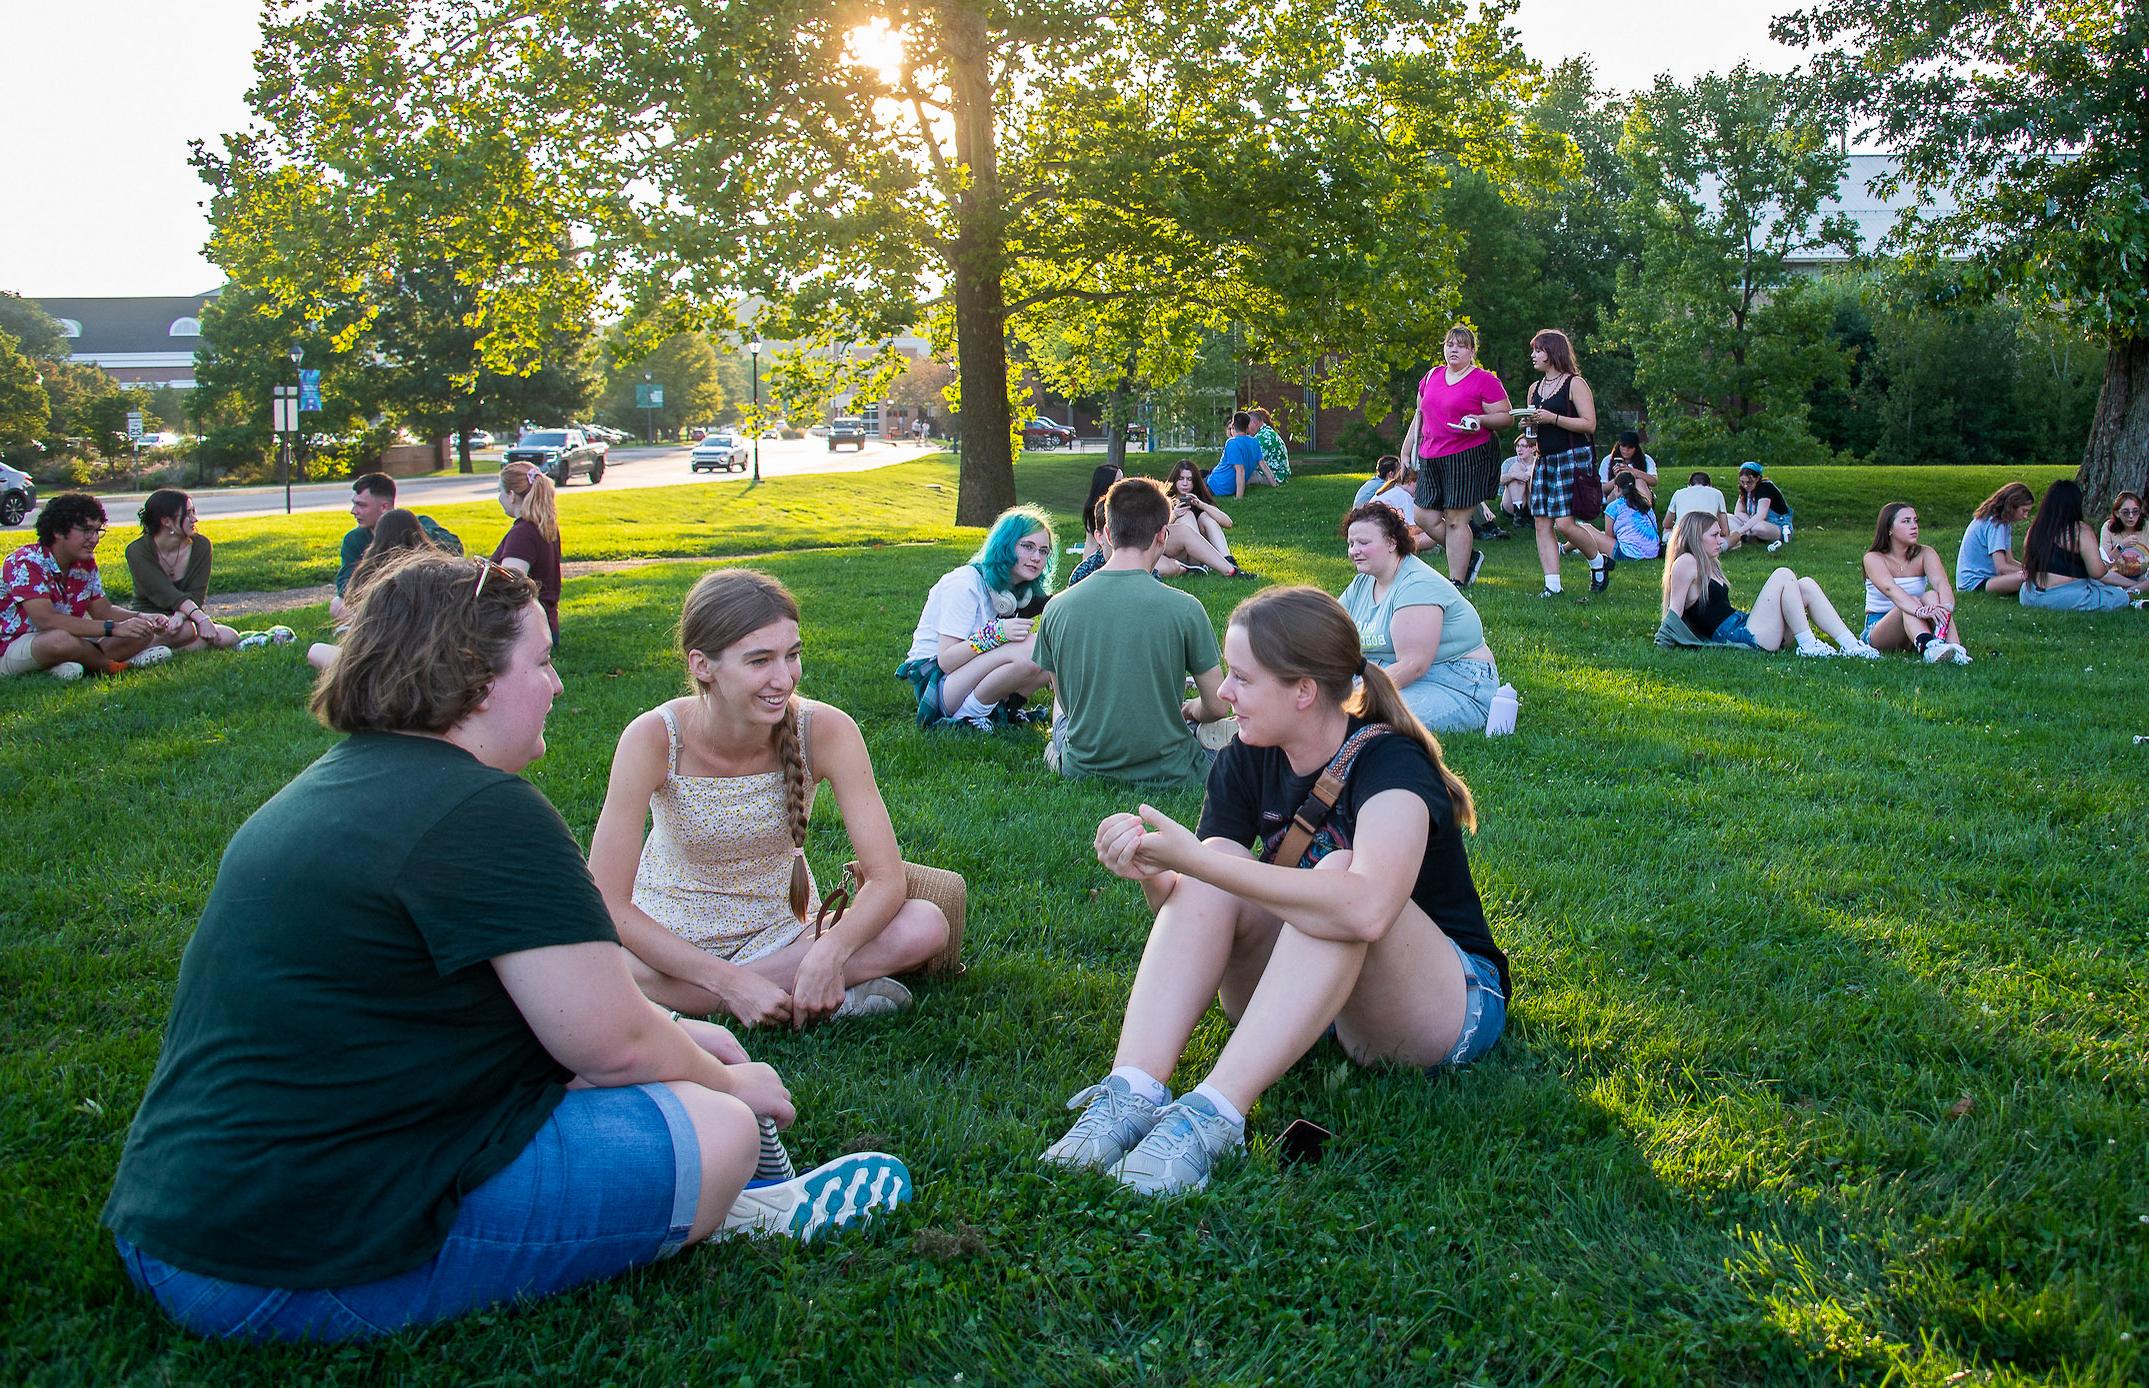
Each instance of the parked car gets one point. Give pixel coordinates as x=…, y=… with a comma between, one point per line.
x=163, y=438
x=719, y=450
x=604, y=433
x=479, y=438
x=559, y=454
x=846, y=431
x=18, y=495
x=1046, y=433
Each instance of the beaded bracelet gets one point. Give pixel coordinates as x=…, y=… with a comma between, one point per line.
x=988, y=637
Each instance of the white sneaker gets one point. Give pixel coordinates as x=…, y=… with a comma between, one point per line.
x=1957, y=654
x=1861, y=649
x=66, y=670
x=1936, y=651
x=834, y=1195
x=1812, y=646
x=149, y=655
x=876, y=997
x=1774, y=545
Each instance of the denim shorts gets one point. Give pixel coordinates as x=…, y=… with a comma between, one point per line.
x=1732, y=632
x=608, y=1183
x=1872, y=619
x=1484, y=1009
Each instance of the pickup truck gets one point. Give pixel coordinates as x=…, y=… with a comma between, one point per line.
x=846, y=431
x=560, y=454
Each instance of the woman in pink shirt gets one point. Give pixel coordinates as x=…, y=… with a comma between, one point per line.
x=1459, y=405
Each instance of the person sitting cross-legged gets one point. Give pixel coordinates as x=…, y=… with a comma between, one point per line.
x=54, y=615
x=1371, y=924
x=372, y=497
x=969, y=660
x=1119, y=650
x=407, y=1073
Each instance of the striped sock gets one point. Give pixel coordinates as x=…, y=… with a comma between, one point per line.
x=774, y=1163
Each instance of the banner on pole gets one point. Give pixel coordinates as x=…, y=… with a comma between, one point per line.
x=309, y=390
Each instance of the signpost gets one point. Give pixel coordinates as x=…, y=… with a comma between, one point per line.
x=286, y=403
x=649, y=398
x=134, y=445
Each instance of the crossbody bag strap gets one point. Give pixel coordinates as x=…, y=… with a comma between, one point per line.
x=1321, y=800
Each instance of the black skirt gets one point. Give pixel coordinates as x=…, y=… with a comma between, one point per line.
x=1456, y=481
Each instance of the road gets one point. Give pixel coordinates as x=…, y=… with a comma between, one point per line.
x=626, y=468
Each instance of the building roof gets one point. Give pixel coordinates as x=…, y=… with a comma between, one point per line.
x=98, y=329
x=1874, y=216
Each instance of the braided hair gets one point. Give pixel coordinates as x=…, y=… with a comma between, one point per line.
x=724, y=607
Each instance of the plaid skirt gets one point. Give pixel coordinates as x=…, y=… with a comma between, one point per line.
x=1552, y=488
x=1456, y=481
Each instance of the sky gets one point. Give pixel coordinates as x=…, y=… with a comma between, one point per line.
x=109, y=92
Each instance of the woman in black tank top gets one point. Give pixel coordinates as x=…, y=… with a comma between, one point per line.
x=1785, y=611
x=1566, y=418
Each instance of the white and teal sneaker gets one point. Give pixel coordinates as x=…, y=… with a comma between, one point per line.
x=834, y=1195
x=1181, y=1150
x=1114, y=1118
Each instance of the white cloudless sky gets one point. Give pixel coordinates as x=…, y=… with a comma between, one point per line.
x=105, y=94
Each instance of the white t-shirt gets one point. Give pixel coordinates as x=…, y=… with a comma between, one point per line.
x=1695, y=498
x=1399, y=499
x=959, y=604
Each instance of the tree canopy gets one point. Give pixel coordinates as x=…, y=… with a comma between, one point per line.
x=2034, y=118
x=860, y=170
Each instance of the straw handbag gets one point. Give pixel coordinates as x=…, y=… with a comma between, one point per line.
x=943, y=888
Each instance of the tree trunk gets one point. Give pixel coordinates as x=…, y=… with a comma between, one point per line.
x=986, y=483
x=2117, y=459
x=1115, y=421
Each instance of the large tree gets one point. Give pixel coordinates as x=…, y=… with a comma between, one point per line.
x=1728, y=176
x=859, y=168
x=24, y=410
x=2033, y=116
x=37, y=333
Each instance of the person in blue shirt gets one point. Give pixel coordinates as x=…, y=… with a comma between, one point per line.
x=1241, y=465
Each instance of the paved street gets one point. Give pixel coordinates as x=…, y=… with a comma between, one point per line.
x=629, y=467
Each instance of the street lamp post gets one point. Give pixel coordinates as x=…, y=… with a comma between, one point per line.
x=755, y=348
x=298, y=392
x=649, y=412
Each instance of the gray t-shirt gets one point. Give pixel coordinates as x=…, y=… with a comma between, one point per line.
x=1973, y=563
x=1120, y=647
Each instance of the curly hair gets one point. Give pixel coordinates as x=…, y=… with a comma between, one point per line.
x=723, y=608
x=995, y=559
x=64, y=513
x=1389, y=520
x=428, y=633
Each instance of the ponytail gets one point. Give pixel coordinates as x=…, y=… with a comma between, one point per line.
x=1377, y=700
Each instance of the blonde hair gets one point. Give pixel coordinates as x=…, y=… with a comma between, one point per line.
x=723, y=608
x=539, y=505
x=1687, y=537
x=1302, y=633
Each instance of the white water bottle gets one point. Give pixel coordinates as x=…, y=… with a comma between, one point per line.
x=1505, y=704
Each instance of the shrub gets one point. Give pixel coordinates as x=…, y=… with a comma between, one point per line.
x=1363, y=442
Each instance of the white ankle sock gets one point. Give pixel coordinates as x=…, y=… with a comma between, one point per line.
x=973, y=709
x=1224, y=1107
x=1144, y=1084
x=1596, y=565
x=1552, y=583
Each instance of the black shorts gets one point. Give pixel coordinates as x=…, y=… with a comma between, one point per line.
x=1458, y=481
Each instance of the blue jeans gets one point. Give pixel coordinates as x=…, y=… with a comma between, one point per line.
x=609, y=1183
x=1484, y=1009
x=1454, y=696
x=2082, y=595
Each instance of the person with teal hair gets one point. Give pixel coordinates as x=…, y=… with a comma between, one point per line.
x=971, y=657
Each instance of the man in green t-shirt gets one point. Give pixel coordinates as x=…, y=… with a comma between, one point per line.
x=1119, y=647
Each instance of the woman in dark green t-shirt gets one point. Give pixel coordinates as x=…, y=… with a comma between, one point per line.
x=361, y=1120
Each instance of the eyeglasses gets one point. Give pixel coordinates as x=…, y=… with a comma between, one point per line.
x=1033, y=550
x=93, y=531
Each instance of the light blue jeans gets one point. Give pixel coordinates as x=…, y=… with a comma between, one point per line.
x=1454, y=696
x=609, y=1183
x=2082, y=595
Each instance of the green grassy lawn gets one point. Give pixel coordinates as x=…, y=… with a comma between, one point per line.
x=1829, y=1056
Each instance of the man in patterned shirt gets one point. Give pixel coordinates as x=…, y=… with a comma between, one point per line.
x=54, y=615
x=1275, y=458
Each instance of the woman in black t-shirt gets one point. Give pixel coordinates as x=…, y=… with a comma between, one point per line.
x=1383, y=940
x=1759, y=514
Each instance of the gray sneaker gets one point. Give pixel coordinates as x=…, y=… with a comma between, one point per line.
x=876, y=997
x=1114, y=1118
x=834, y=1195
x=1181, y=1149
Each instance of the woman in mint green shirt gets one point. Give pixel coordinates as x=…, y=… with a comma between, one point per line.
x=1417, y=625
